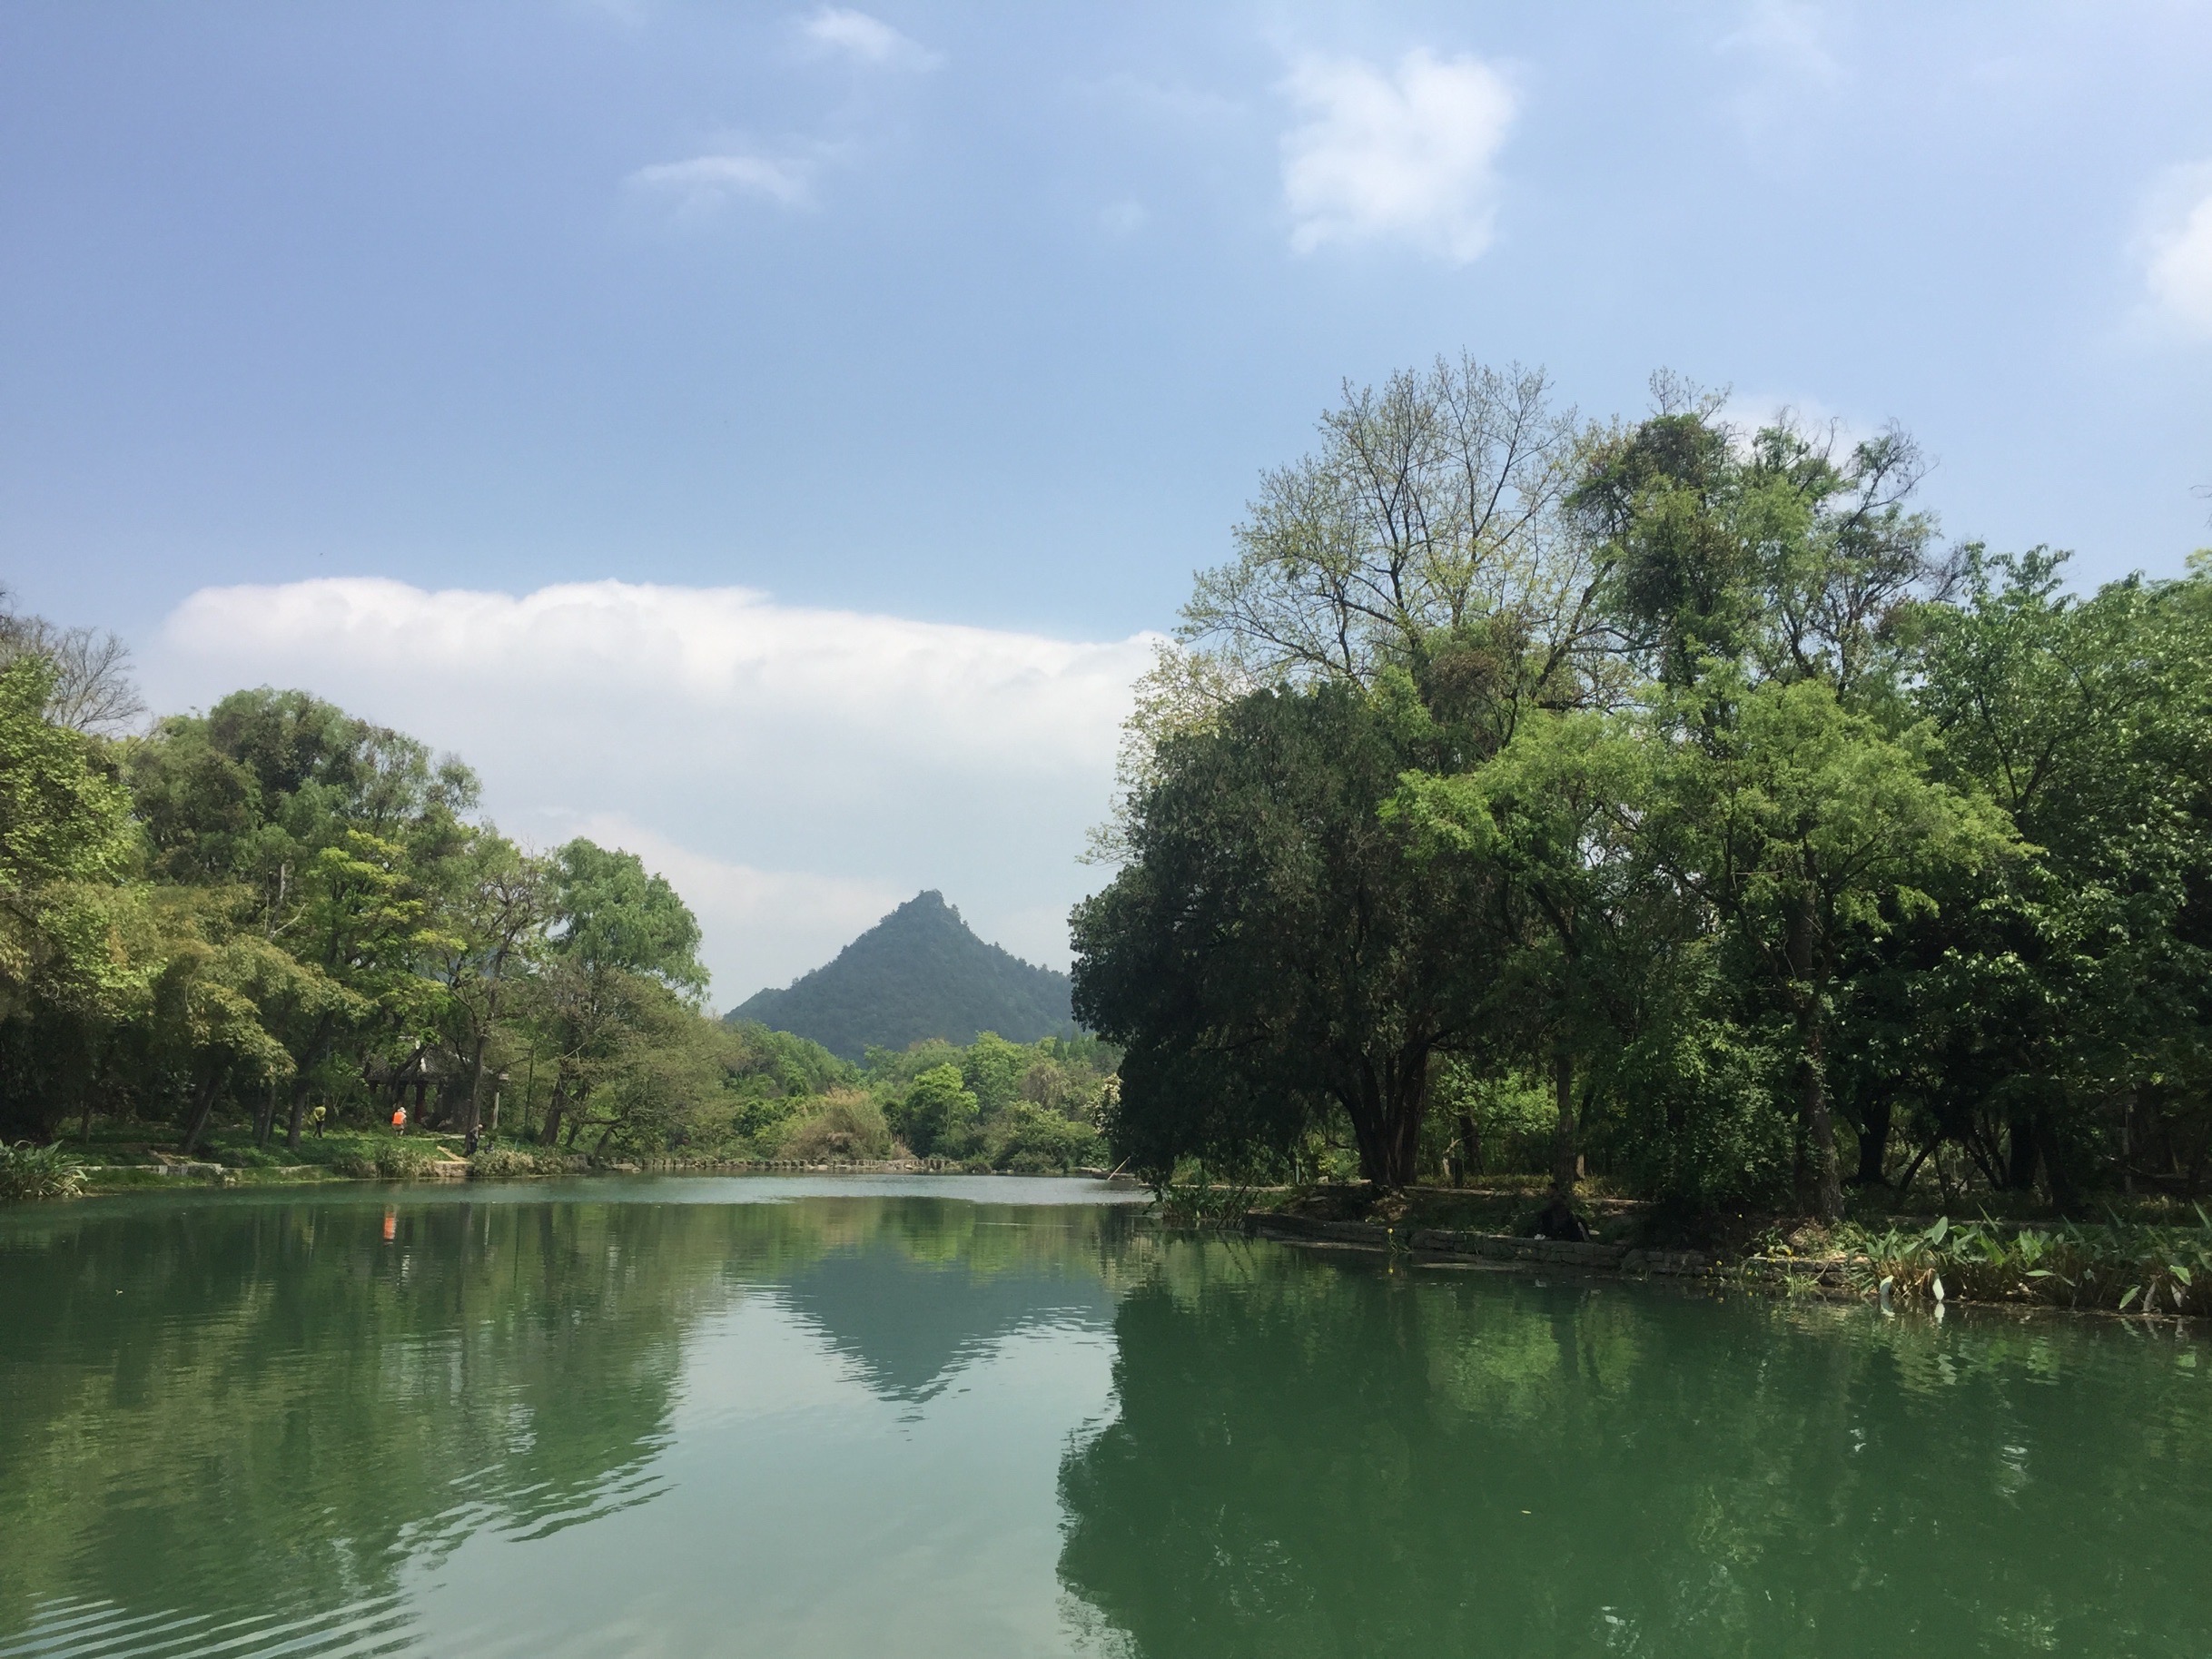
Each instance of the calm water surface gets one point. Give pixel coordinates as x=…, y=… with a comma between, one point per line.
x=907, y=1416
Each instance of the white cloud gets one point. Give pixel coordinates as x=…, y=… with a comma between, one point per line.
x=2178, y=249
x=707, y=181
x=795, y=771
x=1407, y=157
x=793, y=916
x=869, y=40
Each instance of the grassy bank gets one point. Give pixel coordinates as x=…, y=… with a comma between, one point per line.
x=119, y=1160
x=2144, y=1256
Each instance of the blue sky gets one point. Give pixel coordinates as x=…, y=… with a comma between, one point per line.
x=978, y=324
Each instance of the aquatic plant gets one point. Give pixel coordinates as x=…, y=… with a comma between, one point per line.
x=1202, y=1201
x=28, y=1171
x=2124, y=1266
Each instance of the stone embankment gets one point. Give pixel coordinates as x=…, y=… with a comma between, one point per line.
x=1593, y=1257
x=778, y=1166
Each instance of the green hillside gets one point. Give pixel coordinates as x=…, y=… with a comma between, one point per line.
x=917, y=973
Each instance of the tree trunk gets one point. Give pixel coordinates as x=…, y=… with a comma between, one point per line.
x=1805, y=958
x=1563, y=1127
x=203, y=1109
x=298, y=1110
x=1827, y=1174
x=550, y=1135
x=2064, y=1196
x=1874, y=1141
x=2022, y=1154
x=472, y=1117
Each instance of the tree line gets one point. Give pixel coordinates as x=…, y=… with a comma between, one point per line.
x=278, y=911
x=1665, y=796
x=257, y=924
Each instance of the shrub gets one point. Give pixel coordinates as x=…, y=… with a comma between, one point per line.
x=939, y=1113
x=844, y=1127
x=2126, y=1267
x=1026, y=1139
x=1699, y=1127
x=496, y=1162
x=28, y=1171
x=387, y=1160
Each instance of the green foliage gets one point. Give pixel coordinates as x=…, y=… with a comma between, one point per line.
x=614, y=915
x=1702, y=1120
x=509, y=1162
x=1025, y=1108
x=1778, y=848
x=277, y=910
x=1029, y=1139
x=388, y=1158
x=939, y=1116
x=846, y=1126
x=2124, y=1266
x=28, y=1171
x=1276, y=951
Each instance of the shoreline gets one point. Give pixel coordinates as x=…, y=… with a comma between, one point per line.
x=1828, y=1276
x=101, y=1180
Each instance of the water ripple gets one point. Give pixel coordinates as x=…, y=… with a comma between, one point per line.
x=72, y=1629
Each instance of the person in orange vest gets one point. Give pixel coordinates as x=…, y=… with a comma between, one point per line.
x=399, y=1120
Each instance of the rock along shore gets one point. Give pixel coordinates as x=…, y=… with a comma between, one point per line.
x=1593, y=1257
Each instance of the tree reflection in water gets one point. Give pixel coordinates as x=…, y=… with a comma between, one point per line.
x=256, y=1401
x=1319, y=1456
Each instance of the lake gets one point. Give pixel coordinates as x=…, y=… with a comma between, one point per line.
x=914, y=1416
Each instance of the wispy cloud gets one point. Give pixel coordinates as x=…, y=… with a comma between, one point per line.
x=2178, y=250
x=837, y=31
x=793, y=770
x=1793, y=68
x=707, y=181
x=1792, y=37
x=1408, y=156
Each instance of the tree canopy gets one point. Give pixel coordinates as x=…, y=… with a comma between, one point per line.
x=1680, y=772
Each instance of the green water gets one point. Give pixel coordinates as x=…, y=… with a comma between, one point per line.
x=978, y=1418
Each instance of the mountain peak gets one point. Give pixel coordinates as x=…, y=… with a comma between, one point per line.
x=918, y=973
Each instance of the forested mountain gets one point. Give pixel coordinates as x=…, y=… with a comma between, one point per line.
x=918, y=973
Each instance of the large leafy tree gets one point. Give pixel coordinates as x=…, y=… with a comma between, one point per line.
x=1273, y=952
x=66, y=847
x=495, y=905
x=1430, y=504
x=2070, y=1003
x=1551, y=819
x=623, y=945
x=337, y=833
x=1766, y=584
x=1800, y=824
